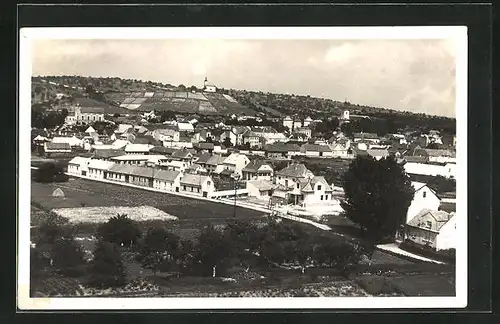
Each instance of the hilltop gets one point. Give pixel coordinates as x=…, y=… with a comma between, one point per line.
x=133, y=96
x=129, y=96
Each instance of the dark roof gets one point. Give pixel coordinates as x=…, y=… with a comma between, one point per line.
x=254, y=166
x=203, y=158
x=181, y=154
x=416, y=159
x=57, y=146
x=215, y=160
x=147, y=139
x=316, y=148
x=282, y=147
x=204, y=146
x=293, y=170
x=99, y=153
x=163, y=150
x=166, y=175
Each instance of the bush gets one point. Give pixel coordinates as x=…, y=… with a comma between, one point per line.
x=377, y=285
x=107, y=269
x=442, y=255
x=50, y=172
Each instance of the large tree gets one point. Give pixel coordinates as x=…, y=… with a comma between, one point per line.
x=212, y=250
x=377, y=197
x=159, y=249
x=120, y=230
x=107, y=269
x=68, y=257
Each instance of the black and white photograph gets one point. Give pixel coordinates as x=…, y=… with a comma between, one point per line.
x=243, y=167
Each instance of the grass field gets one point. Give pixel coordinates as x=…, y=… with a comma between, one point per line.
x=91, y=193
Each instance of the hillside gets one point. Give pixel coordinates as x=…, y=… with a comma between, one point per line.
x=119, y=96
x=180, y=102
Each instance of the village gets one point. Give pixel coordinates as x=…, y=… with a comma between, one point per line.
x=287, y=168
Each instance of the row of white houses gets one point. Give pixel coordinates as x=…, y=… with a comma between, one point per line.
x=167, y=180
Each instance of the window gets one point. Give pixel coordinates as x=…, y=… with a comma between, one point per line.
x=208, y=183
x=286, y=182
x=326, y=197
x=321, y=197
x=298, y=185
x=428, y=224
x=424, y=194
x=184, y=188
x=319, y=188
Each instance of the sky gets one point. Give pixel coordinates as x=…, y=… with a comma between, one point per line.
x=414, y=75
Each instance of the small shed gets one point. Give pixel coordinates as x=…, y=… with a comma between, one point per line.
x=58, y=193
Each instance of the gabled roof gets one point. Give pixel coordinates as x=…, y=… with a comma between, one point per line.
x=194, y=180
x=254, y=166
x=163, y=150
x=438, y=153
x=166, y=175
x=282, y=147
x=441, y=218
x=100, y=165
x=122, y=168
x=316, y=148
x=107, y=153
x=92, y=110
x=57, y=146
x=216, y=160
x=203, y=158
x=79, y=160
x=233, y=158
x=138, y=147
x=377, y=152
x=307, y=185
x=294, y=170
x=419, y=185
x=261, y=184
x=181, y=154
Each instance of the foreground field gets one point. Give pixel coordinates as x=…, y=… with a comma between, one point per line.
x=87, y=193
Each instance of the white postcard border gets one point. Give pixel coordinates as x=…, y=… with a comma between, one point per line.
x=27, y=35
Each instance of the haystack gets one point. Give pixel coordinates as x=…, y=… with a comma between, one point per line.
x=58, y=193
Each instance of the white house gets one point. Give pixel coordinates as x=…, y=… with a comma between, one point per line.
x=185, y=127
x=340, y=149
x=167, y=180
x=208, y=87
x=235, y=162
x=138, y=148
x=261, y=189
x=166, y=135
x=307, y=121
x=78, y=165
x=447, y=170
x=199, y=184
x=434, y=229
x=85, y=115
x=423, y=198
x=311, y=191
x=98, y=168
x=71, y=140
x=257, y=170
x=378, y=154
x=291, y=174
x=316, y=150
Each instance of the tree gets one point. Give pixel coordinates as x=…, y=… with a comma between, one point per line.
x=227, y=142
x=50, y=172
x=107, y=269
x=120, y=230
x=433, y=145
x=159, y=249
x=212, y=250
x=68, y=257
x=377, y=197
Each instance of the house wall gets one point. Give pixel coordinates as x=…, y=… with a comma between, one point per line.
x=96, y=173
x=163, y=185
x=428, y=169
x=116, y=176
x=421, y=236
x=139, y=180
x=319, y=196
x=446, y=239
x=419, y=202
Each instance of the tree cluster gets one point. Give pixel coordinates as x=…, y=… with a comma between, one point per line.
x=40, y=118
